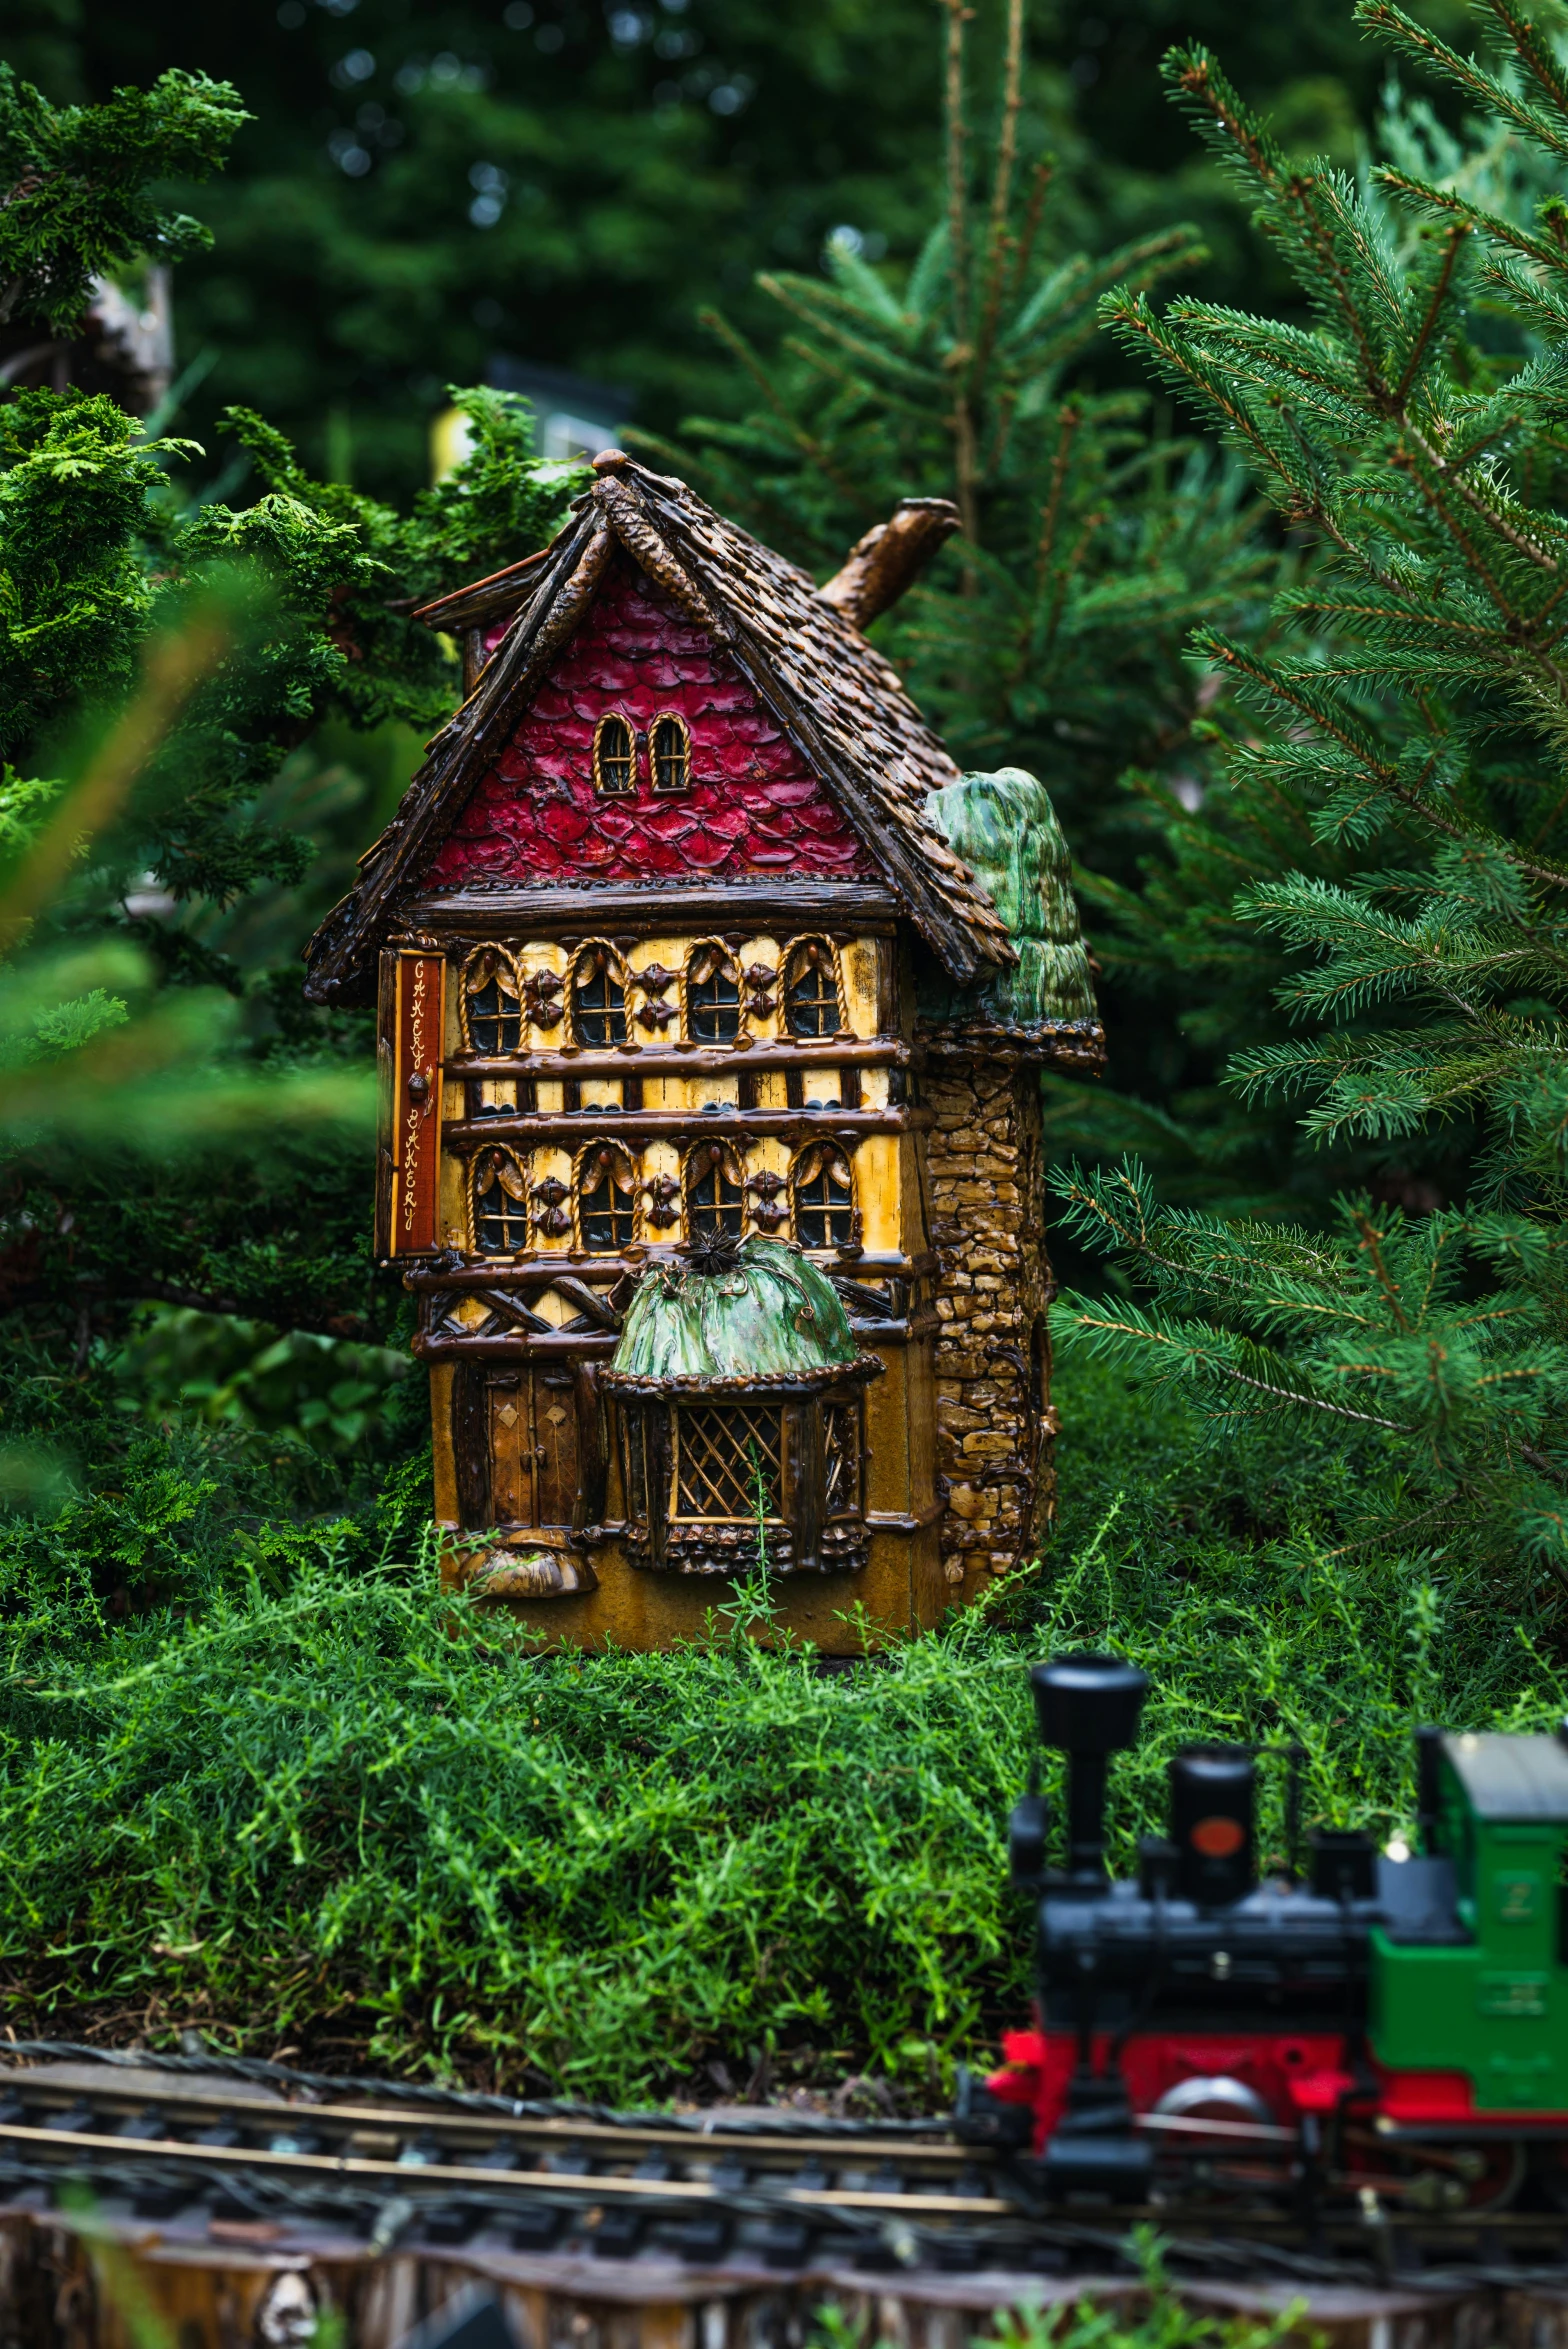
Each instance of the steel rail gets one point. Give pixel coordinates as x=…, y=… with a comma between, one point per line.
x=597, y=2178
x=442, y=2176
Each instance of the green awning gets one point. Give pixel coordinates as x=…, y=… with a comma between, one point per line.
x=765, y=1315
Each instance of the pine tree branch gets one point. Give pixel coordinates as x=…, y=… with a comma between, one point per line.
x=1439, y=295
x=1303, y=1399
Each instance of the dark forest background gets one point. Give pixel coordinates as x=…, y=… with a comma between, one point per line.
x=656, y=157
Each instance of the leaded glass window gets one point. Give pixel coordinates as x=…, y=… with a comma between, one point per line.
x=599, y=1001
x=824, y=1200
x=715, y=1200
x=728, y=1464
x=500, y=1204
x=713, y=997
x=811, y=1006
x=606, y=1200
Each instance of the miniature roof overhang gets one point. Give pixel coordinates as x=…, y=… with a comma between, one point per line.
x=843, y=705
x=750, y=1318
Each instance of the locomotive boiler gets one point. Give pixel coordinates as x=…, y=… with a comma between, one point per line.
x=1371, y=2024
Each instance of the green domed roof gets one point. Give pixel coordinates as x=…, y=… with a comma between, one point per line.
x=1005, y=829
x=762, y=1314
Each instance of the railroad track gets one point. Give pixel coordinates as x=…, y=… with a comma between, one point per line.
x=224, y=2153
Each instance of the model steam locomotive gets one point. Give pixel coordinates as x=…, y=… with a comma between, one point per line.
x=1374, y=2025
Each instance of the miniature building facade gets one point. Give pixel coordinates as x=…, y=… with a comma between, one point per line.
x=690, y=932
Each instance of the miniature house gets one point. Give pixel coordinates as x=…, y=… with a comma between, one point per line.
x=689, y=936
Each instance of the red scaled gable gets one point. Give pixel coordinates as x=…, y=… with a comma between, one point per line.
x=754, y=805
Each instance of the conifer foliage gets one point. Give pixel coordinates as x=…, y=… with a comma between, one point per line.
x=80, y=185
x=1050, y=633
x=161, y=656
x=1416, y=712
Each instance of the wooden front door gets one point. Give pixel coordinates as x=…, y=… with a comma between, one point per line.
x=534, y=1468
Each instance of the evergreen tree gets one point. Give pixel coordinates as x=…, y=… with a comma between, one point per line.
x=175, y=1126
x=1050, y=634
x=1419, y=727
x=572, y=184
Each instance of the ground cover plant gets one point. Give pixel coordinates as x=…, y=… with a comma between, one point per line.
x=304, y=1805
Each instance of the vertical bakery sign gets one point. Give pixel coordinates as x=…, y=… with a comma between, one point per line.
x=416, y=1163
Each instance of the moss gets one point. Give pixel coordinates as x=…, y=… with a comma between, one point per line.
x=1005, y=829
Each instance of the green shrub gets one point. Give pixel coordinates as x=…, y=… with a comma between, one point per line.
x=316, y=1803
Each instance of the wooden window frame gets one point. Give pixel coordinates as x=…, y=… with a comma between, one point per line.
x=603, y=788
x=491, y=966
x=669, y=718
x=617, y=968
x=825, y=1154
x=486, y=1159
x=789, y=973
x=696, y=1166
x=729, y=961
x=585, y=1160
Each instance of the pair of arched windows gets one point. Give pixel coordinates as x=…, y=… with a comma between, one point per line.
x=822, y=1195
x=615, y=746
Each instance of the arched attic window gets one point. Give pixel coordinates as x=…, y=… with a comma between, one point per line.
x=614, y=757
x=669, y=753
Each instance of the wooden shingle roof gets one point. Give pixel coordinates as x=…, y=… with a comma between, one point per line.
x=842, y=704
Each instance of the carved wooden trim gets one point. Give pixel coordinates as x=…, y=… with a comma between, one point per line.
x=416, y=1095
x=471, y=1444
x=777, y=908
x=565, y=1128
x=690, y=1060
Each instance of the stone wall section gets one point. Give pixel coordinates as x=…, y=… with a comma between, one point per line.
x=994, y=1420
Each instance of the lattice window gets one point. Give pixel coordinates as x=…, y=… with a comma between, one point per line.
x=598, y=1000
x=841, y=1459
x=500, y=1204
x=811, y=1005
x=824, y=1198
x=715, y=1193
x=606, y=1199
x=492, y=1006
x=669, y=754
x=728, y=1464
x=614, y=758
x=713, y=996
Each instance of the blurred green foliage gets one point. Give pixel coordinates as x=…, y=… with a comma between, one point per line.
x=247, y=1374
x=422, y=188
